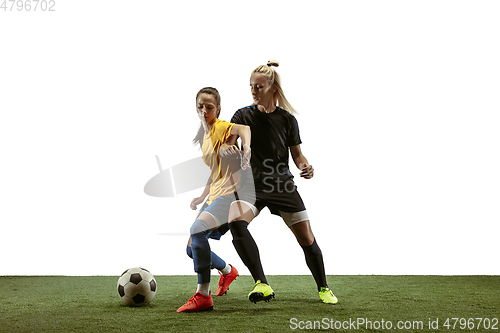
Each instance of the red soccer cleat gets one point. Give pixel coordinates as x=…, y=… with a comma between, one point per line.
x=225, y=281
x=198, y=303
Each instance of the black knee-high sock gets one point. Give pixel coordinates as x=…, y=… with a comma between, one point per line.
x=314, y=260
x=247, y=249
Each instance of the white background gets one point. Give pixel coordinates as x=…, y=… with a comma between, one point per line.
x=398, y=110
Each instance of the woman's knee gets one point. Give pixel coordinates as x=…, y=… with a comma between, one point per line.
x=199, y=226
x=303, y=233
x=240, y=211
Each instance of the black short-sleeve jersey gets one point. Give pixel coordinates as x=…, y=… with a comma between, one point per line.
x=272, y=135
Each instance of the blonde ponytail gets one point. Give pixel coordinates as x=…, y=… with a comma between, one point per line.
x=273, y=63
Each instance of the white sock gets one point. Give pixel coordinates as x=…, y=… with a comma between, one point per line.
x=204, y=289
x=226, y=270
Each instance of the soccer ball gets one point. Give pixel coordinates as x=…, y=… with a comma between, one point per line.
x=136, y=287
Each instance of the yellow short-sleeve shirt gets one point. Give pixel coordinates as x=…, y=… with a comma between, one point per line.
x=224, y=180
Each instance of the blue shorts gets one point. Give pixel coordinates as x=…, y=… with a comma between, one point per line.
x=219, y=210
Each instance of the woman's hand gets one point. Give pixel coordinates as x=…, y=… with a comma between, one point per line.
x=231, y=151
x=245, y=159
x=306, y=171
x=195, y=202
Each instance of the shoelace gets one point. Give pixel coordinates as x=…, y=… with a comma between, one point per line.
x=193, y=299
x=223, y=277
x=222, y=280
x=328, y=290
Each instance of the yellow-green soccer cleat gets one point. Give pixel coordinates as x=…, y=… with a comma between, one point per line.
x=261, y=291
x=327, y=296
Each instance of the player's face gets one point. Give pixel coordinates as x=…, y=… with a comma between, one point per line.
x=262, y=90
x=207, y=108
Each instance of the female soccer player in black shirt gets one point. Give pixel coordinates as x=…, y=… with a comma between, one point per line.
x=275, y=132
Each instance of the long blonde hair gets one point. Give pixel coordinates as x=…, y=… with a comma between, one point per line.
x=272, y=76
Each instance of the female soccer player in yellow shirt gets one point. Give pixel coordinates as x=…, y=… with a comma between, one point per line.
x=225, y=180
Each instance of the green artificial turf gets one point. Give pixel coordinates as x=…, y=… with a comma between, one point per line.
x=92, y=304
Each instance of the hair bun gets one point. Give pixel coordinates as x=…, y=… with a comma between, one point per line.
x=273, y=63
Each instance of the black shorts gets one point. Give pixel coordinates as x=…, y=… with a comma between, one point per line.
x=287, y=204
x=276, y=201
